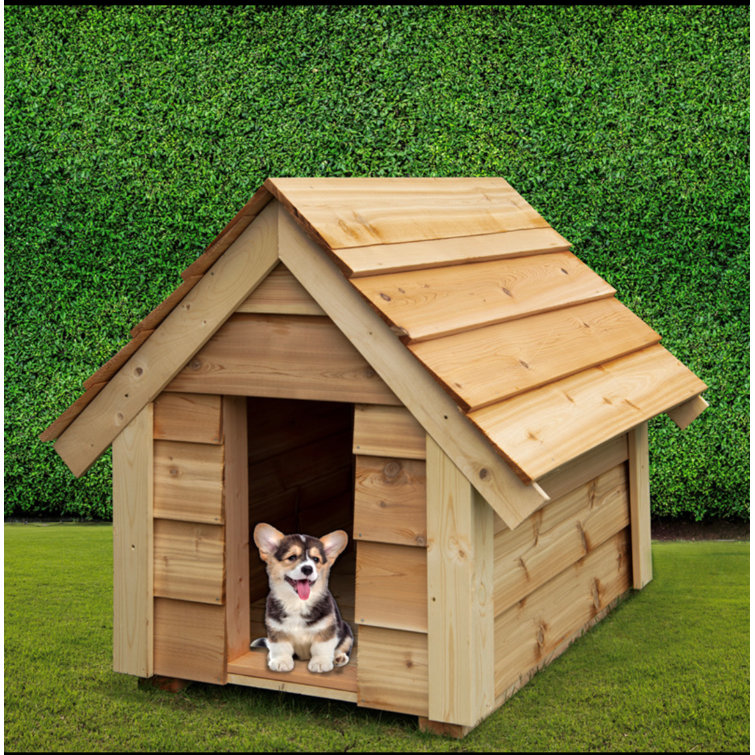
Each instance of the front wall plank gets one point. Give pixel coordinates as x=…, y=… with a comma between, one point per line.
x=391, y=586
x=283, y=356
x=389, y=501
x=190, y=641
x=280, y=293
x=388, y=431
x=189, y=481
x=190, y=417
x=392, y=670
x=639, y=505
x=189, y=561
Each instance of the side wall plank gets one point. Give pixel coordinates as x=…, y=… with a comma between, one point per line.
x=133, y=621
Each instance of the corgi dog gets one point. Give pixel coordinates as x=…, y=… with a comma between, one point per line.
x=301, y=616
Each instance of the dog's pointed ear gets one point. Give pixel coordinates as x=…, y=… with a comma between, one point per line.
x=334, y=543
x=267, y=539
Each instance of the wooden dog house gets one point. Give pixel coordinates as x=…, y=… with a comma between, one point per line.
x=421, y=362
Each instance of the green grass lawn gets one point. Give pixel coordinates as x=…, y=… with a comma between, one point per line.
x=668, y=670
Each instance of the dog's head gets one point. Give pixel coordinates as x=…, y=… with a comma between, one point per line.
x=300, y=561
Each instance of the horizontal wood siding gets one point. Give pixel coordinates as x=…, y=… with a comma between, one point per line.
x=280, y=293
x=189, y=481
x=392, y=670
x=190, y=640
x=189, y=561
x=532, y=630
x=188, y=417
x=282, y=356
x=387, y=431
x=391, y=587
x=558, y=535
x=389, y=500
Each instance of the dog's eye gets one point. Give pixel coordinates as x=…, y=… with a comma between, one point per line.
x=292, y=558
x=316, y=559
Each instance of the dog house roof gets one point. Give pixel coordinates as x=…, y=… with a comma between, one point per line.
x=532, y=345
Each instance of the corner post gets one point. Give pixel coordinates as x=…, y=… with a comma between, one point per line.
x=459, y=596
x=133, y=563
x=639, y=506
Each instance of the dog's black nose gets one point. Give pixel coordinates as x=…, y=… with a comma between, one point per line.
x=306, y=569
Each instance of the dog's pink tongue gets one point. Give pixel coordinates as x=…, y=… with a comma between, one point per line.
x=302, y=587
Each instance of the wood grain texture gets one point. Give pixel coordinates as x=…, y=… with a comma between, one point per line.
x=483, y=366
x=282, y=356
x=387, y=431
x=639, y=506
x=189, y=561
x=557, y=535
x=441, y=301
x=253, y=664
x=392, y=670
x=189, y=417
x=376, y=259
x=358, y=211
x=529, y=632
x=280, y=293
x=190, y=641
x=459, y=595
x=183, y=332
x=133, y=619
x=389, y=501
x=542, y=429
x=189, y=481
x=237, y=530
x=511, y=498
x=391, y=586
x=585, y=467
x=686, y=413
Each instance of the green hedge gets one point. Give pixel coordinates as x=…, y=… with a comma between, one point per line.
x=133, y=134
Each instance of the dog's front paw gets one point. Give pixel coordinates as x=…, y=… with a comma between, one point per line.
x=280, y=663
x=341, y=659
x=320, y=665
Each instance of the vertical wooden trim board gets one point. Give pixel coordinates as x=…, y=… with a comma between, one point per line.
x=639, y=506
x=459, y=595
x=236, y=495
x=133, y=618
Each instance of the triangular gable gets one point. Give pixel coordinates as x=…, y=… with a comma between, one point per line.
x=509, y=346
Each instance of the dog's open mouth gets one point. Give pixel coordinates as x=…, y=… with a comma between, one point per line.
x=302, y=586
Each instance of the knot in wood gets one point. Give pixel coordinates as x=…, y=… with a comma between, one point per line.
x=391, y=470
